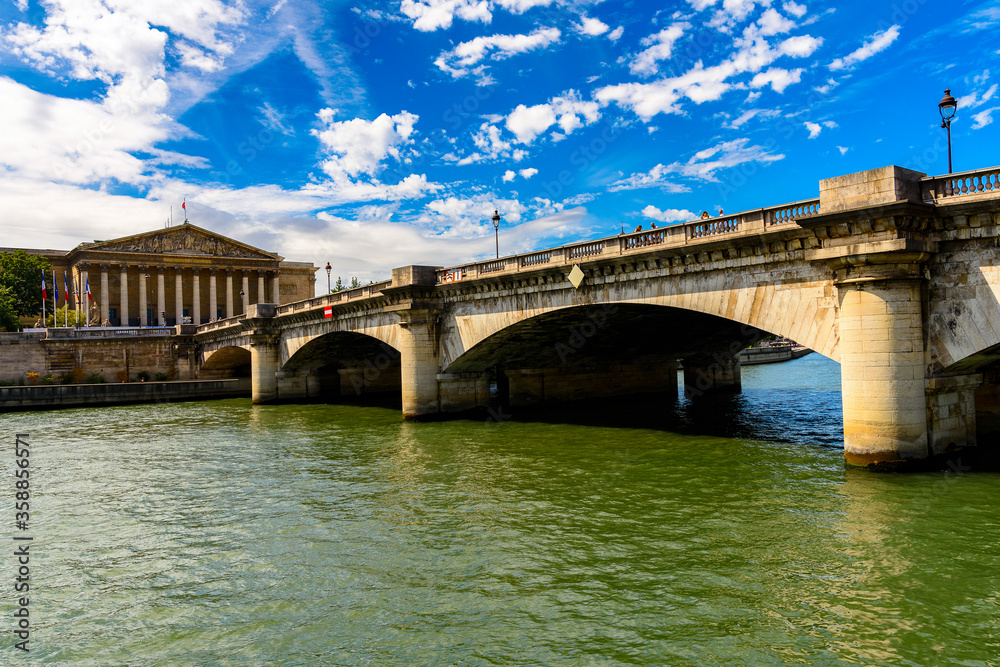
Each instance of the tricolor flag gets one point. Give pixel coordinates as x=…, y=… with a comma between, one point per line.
x=65, y=287
x=45, y=295
x=55, y=288
x=89, y=295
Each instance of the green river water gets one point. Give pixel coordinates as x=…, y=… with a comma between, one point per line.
x=218, y=533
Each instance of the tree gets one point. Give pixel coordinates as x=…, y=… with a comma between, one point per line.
x=63, y=318
x=21, y=273
x=339, y=286
x=8, y=311
x=354, y=282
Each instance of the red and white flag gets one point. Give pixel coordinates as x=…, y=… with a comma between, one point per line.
x=90, y=297
x=45, y=295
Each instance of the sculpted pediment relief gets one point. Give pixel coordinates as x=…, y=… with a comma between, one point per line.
x=182, y=241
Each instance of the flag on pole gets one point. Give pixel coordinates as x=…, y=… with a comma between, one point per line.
x=90, y=297
x=55, y=289
x=65, y=288
x=45, y=295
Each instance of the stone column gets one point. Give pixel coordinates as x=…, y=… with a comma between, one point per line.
x=105, y=301
x=213, y=296
x=246, y=290
x=261, y=296
x=230, y=312
x=196, y=293
x=123, y=301
x=143, y=320
x=882, y=364
x=276, y=298
x=179, y=294
x=420, y=361
x=161, y=296
x=265, y=355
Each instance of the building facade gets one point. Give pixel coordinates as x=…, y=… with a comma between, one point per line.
x=178, y=275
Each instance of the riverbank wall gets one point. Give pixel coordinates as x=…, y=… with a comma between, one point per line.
x=50, y=397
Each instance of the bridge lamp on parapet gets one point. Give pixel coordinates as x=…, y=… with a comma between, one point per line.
x=947, y=107
x=496, y=229
x=329, y=290
x=149, y=302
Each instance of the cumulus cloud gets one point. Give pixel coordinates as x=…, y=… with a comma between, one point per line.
x=843, y=150
x=654, y=178
x=459, y=60
x=358, y=146
x=508, y=176
x=567, y=110
x=773, y=23
x=616, y=34
x=878, y=42
x=528, y=173
x=669, y=215
x=429, y=15
x=778, y=78
x=592, y=26
x=796, y=10
x=660, y=46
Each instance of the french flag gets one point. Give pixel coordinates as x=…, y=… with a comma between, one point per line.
x=65, y=286
x=55, y=287
x=89, y=295
x=45, y=294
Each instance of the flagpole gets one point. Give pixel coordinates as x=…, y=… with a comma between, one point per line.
x=55, y=300
x=44, y=298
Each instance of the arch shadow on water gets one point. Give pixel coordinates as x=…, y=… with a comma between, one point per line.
x=796, y=401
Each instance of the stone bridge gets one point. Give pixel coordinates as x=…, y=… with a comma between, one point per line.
x=894, y=275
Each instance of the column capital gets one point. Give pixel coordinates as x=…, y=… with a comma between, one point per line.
x=213, y=270
x=84, y=266
x=104, y=267
x=229, y=270
x=246, y=272
x=123, y=267
x=161, y=269
x=143, y=268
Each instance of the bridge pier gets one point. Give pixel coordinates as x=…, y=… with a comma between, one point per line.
x=265, y=354
x=705, y=374
x=420, y=362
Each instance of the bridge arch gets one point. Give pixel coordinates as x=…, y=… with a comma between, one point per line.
x=231, y=361
x=343, y=364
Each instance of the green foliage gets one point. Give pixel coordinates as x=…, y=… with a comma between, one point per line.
x=143, y=375
x=21, y=273
x=339, y=286
x=49, y=379
x=96, y=378
x=160, y=377
x=354, y=282
x=8, y=310
x=64, y=318
x=73, y=376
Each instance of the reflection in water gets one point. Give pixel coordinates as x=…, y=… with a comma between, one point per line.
x=224, y=533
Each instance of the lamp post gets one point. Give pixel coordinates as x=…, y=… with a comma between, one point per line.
x=496, y=229
x=947, y=107
x=329, y=268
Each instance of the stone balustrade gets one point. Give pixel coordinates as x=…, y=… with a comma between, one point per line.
x=963, y=184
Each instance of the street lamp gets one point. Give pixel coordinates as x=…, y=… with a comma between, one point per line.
x=947, y=107
x=329, y=268
x=496, y=229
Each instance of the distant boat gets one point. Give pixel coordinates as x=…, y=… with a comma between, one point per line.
x=772, y=352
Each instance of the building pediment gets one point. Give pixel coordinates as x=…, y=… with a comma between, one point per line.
x=182, y=240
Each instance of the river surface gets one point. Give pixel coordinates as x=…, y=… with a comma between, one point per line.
x=728, y=533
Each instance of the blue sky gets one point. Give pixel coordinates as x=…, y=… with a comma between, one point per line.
x=375, y=135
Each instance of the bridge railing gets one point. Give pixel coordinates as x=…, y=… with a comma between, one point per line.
x=343, y=296
x=689, y=233
x=963, y=184
x=223, y=323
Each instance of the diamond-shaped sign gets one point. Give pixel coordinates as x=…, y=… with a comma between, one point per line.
x=576, y=276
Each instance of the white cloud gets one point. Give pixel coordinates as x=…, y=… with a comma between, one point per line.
x=843, y=150
x=429, y=15
x=275, y=120
x=654, y=178
x=814, y=129
x=773, y=23
x=459, y=60
x=359, y=146
x=778, y=78
x=592, y=26
x=508, y=176
x=983, y=118
x=796, y=10
x=616, y=34
x=669, y=215
x=876, y=43
x=521, y=6
x=568, y=110
x=528, y=173
x=660, y=45
x=977, y=98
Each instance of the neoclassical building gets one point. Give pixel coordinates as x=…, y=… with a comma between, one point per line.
x=177, y=275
